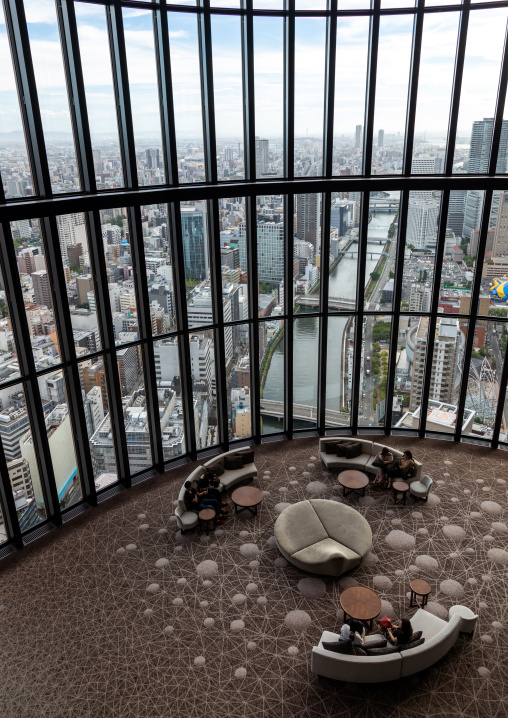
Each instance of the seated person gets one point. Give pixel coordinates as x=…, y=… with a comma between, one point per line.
x=195, y=500
x=209, y=487
x=385, y=457
x=345, y=632
x=357, y=631
x=399, y=632
x=404, y=468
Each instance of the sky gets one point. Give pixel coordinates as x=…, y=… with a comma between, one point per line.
x=481, y=72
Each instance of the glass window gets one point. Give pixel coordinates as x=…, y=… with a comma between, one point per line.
x=271, y=376
x=144, y=94
x=269, y=95
x=305, y=371
x=21, y=457
x=381, y=248
x=409, y=371
x=307, y=252
x=79, y=282
x=98, y=423
x=122, y=295
x=435, y=82
x=310, y=44
x=495, y=263
x=236, y=339
x=159, y=267
x=49, y=72
x=202, y=357
x=350, y=85
x=187, y=98
x=344, y=243
x=36, y=288
x=339, y=371
x=100, y=94
x=135, y=410
x=268, y=5
x=420, y=250
x=270, y=246
x=14, y=163
x=485, y=368
x=9, y=366
x=228, y=96
x=169, y=392
x=395, y=35
x=482, y=65
x=196, y=258
x=234, y=272
x=374, y=369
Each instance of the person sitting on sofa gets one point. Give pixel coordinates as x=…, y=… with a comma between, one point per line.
x=400, y=632
x=357, y=631
x=345, y=632
x=404, y=468
x=210, y=482
x=384, y=457
x=195, y=501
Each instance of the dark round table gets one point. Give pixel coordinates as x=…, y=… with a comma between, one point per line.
x=360, y=602
x=206, y=519
x=352, y=480
x=400, y=490
x=419, y=587
x=247, y=497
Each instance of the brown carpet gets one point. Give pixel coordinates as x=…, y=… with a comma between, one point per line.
x=81, y=636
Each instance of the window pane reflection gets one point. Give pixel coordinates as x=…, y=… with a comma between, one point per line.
x=271, y=376
x=169, y=393
x=339, y=371
x=100, y=95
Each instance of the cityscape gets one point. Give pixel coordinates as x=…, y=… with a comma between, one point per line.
x=454, y=301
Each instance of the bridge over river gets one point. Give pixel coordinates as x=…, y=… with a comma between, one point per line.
x=312, y=302
x=304, y=412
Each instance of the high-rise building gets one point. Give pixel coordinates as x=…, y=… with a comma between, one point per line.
x=195, y=246
x=380, y=139
x=42, y=294
x=262, y=161
x=152, y=159
x=270, y=243
x=422, y=218
x=358, y=136
x=308, y=219
x=479, y=151
x=419, y=298
x=500, y=243
x=456, y=208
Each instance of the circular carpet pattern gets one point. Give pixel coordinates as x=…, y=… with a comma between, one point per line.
x=144, y=621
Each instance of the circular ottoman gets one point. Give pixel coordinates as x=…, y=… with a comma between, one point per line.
x=321, y=536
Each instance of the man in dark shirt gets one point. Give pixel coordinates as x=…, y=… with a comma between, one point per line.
x=195, y=500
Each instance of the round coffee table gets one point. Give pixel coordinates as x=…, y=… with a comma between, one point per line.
x=419, y=587
x=206, y=520
x=247, y=497
x=360, y=602
x=400, y=487
x=354, y=481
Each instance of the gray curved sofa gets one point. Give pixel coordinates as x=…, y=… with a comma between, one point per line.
x=187, y=520
x=322, y=536
x=365, y=460
x=439, y=638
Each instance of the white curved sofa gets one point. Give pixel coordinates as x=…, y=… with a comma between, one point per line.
x=365, y=460
x=439, y=638
x=322, y=536
x=187, y=520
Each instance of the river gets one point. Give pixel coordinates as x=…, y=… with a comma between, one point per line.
x=306, y=336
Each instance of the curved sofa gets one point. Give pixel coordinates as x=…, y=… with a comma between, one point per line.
x=322, y=536
x=362, y=462
x=439, y=638
x=187, y=520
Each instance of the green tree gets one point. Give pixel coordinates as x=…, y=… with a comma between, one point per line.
x=375, y=276
x=392, y=274
x=3, y=309
x=484, y=351
x=381, y=332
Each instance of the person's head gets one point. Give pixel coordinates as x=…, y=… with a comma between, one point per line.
x=406, y=629
x=204, y=480
x=210, y=477
x=188, y=485
x=385, y=451
x=345, y=631
x=408, y=454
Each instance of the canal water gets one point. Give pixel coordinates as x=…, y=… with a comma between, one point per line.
x=305, y=337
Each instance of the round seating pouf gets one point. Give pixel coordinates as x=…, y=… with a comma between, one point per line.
x=323, y=537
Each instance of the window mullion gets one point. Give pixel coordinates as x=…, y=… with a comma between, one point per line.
x=205, y=51
x=289, y=203
x=248, y=92
x=457, y=86
x=289, y=91
x=331, y=52
x=416, y=52
x=370, y=97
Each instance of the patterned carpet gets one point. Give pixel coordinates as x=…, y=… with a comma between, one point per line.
x=83, y=635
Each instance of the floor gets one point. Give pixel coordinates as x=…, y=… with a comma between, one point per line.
x=118, y=614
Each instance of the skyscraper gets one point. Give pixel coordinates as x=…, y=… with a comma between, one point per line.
x=152, y=159
x=308, y=207
x=380, y=139
x=261, y=157
x=195, y=248
x=358, y=137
